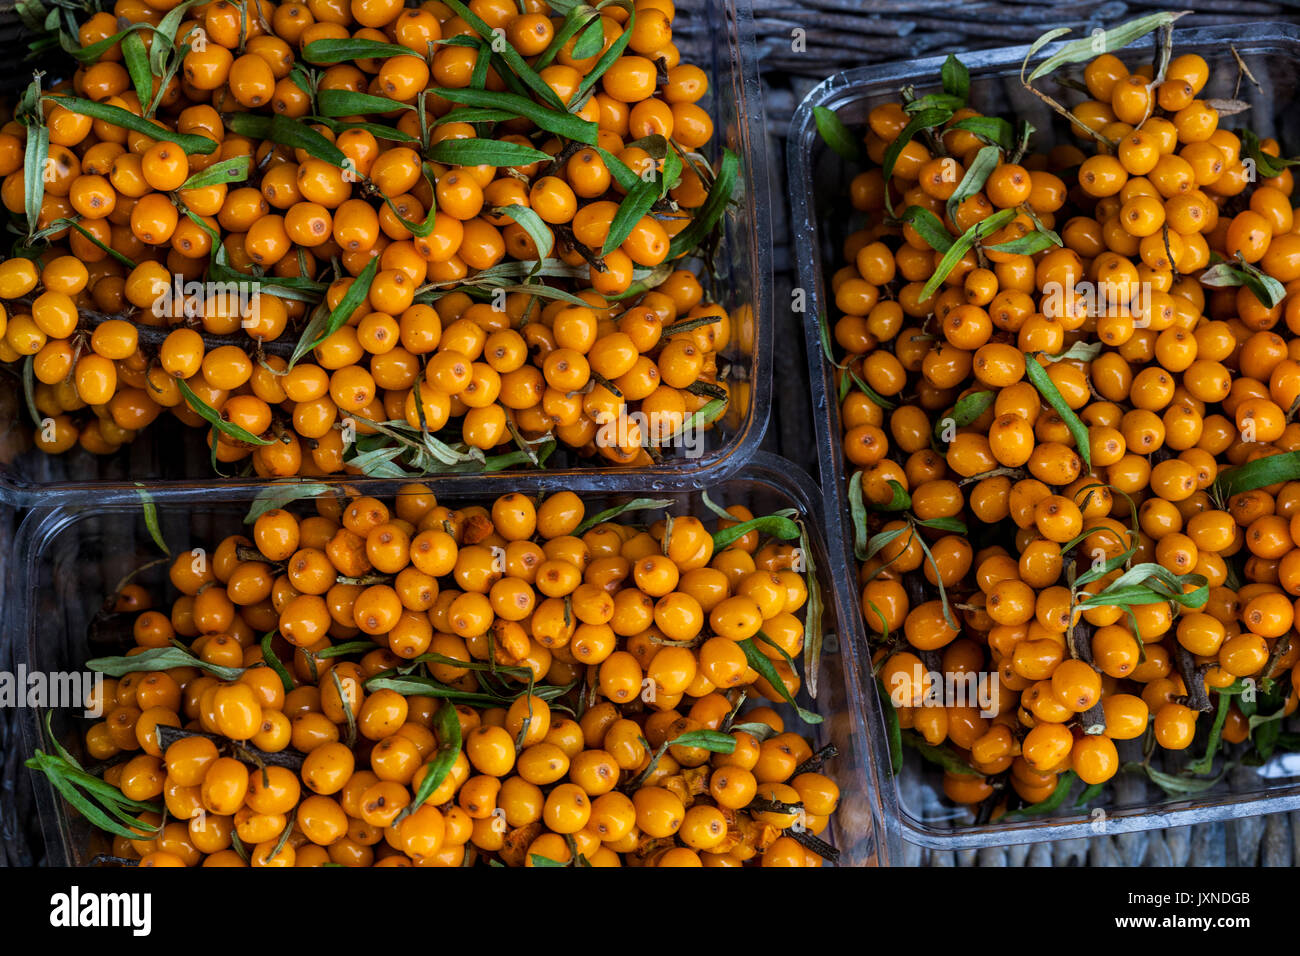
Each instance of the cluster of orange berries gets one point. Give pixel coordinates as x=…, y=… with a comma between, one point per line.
x=1173, y=381
x=573, y=661
x=85, y=310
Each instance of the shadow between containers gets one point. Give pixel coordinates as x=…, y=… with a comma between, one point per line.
x=851, y=93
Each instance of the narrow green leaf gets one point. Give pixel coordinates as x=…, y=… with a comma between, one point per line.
x=767, y=670
x=1047, y=388
x=34, y=159
x=159, y=659
x=321, y=52
x=956, y=78
x=928, y=227
x=986, y=160
x=485, y=152
x=350, y=302
x=713, y=741
x=1267, y=166
x=287, y=132
x=963, y=244
x=994, y=130
x=227, y=171
x=926, y=119
x=282, y=493
x=837, y=136
x=559, y=122
x=213, y=418
x=137, y=66
x=708, y=215
x=636, y=504
x=447, y=730
x=968, y=409
x=332, y=103
x=635, y=204
x=116, y=116
x=151, y=519
x=776, y=525
x=273, y=662
x=1082, y=51
x=29, y=390
x=1260, y=473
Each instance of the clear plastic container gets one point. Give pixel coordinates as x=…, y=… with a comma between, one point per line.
x=69, y=559
x=822, y=218
x=716, y=35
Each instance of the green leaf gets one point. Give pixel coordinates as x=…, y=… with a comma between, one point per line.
x=559, y=122
x=926, y=119
x=1267, y=166
x=34, y=159
x=211, y=416
x=1172, y=785
x=227, y=171
x=941, y=756
x=591, y=42
x=1028, y=244
x=1206, y=763
x=1085, y=50
x=333, y=103
x=137, y=66
x=964, y=243
x=713, y=741
x=606, y=60
x=537, y=230
x=1260, y=473
x=837, y=136
x=29, y=390
x=778, y=525
x=273, y=662
x=97, y=817
x=471, y=115
x=899, y=501
x=968, y=409
x=928, y=227
x=636, y=504
x=538, y=860
x=376, y=130
x=1268, y=290
x=994, y=130
x=1047, y=388
x=322, y=52
x=281, y=493
x=351, y=301
x=446, y=728
x=986, y=160
x=956, y=78
x=287, y=132
x=159, y=659
x=858, y=512
x=116, y=116
x=485, y=152
x=767, y=670
x=634, y=206
x=714, y=206
x=1089, y=794
x=954, y=525
x=1051, y=804
x=509, y=54
x=151, y=519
